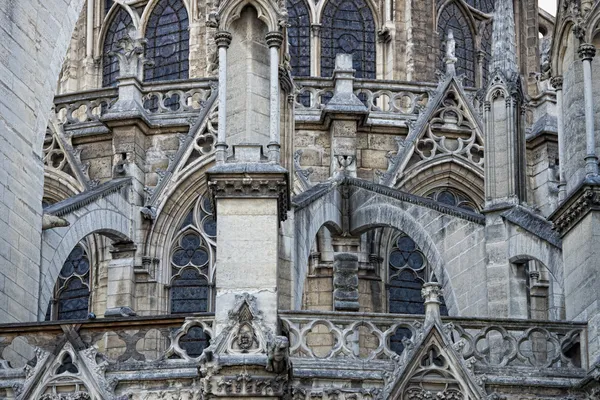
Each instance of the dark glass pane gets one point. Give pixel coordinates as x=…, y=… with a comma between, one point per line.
x=117, y=30
x=415, y=261
x=405, y=294
x=189, y=292
x=207, y=205
x=199, y=257
x=107, y=5
x=180, y=258
x=210, y=226
x=190, y=241
x=73, y=301
x=299, y=37
x=67, y=366
x=406, y=244
x=396, y=339
x=453, y=19
x=397, y=259
x=194, y=342
x=48, y=316
x=168, y=45
x=446, y=197
x=348, y=27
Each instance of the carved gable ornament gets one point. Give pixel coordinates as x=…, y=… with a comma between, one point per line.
x=70, y=375
x=433, y=370
x=449, y=126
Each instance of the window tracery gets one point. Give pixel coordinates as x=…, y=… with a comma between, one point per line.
x=72, y=290
x=117, y=30
x=107, y=5
x=299, y=37
x=453, y=19
x=192, y=259
x=452, y=197
x=168, y=42
x=348, y=27
x=408, y=270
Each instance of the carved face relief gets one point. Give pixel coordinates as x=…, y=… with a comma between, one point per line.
x=245, y=338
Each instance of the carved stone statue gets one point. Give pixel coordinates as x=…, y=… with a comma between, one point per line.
x=277, y=353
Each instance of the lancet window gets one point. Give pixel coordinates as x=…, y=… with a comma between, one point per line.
x=192, y=259
x=408, y=270
x=168, y=42
x=72, y=290
x=117, y=30
x=299, y=37
x=348, y=27
x=453, y=19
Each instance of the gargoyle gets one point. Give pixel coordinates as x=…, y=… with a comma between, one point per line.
x=277, y=355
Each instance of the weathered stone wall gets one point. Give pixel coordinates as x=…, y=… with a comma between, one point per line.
x=33, y=42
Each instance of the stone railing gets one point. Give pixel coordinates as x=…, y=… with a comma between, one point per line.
x=177, y=97
x=161, y=101
x=119, y=341
x=488, y=343
x=379, y=96
x=83, y=107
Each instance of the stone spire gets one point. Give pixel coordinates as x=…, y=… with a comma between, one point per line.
x=504, y=50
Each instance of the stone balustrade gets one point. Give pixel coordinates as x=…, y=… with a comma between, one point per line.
x=487, y=344
x=165, y=103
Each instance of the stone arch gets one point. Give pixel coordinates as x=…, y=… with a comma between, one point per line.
x=58, y=245
x=559, y=45
x=524, y=246
x=98, y=50
x=59, y=186
x=308, y=220
x=266, y=13
x=446, y=171
x=370, y=3
x=380, y=214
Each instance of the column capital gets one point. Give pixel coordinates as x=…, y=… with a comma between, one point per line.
x=586, y=51
x=274, y=39
x=223, y=39
x=557, y=82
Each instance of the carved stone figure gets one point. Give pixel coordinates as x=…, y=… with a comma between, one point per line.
x=278, y=356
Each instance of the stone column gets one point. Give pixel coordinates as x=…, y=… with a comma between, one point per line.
x=557, y=83
x=586, y=53
x=274, y=41
x=345, y=282
x=120, y=291
x=431, y=293
x=223, y=40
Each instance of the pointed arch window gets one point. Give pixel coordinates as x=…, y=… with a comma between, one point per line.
x=453, y=19
x=72, y=290
x=117, y=30
x=348, y=27
x=453, y=197
x=299, y=37
x=408, y=270
x=168, y=42
x=192, y=259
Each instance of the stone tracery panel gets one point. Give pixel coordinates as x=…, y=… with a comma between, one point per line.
x=408, y=270
x=117, y=30
x=72, y=291
x=192, y=258
x=348, y=27
x=168, y=42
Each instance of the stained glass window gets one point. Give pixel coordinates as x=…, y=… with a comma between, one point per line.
x=168, y=42
x=487, y=6
x=453, y=197
x=117, y=30
x=299, y=37
x=408, y=270
x=348, y=27
x=72, y=288
x=192, y=258
x=107, y=5
x=453, y=19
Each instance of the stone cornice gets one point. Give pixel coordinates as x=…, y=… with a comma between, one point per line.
x=253, y=180
x=584, y=199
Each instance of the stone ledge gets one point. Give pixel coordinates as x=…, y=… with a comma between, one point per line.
x=584, y=199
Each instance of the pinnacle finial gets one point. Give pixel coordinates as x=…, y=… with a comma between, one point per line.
x=504, y=49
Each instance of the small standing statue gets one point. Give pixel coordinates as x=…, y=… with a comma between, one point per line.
x=450, y=58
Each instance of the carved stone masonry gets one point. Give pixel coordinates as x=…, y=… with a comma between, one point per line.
x=574, y=209
x=557, y=82
x=345, y=282
x=586, y=51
